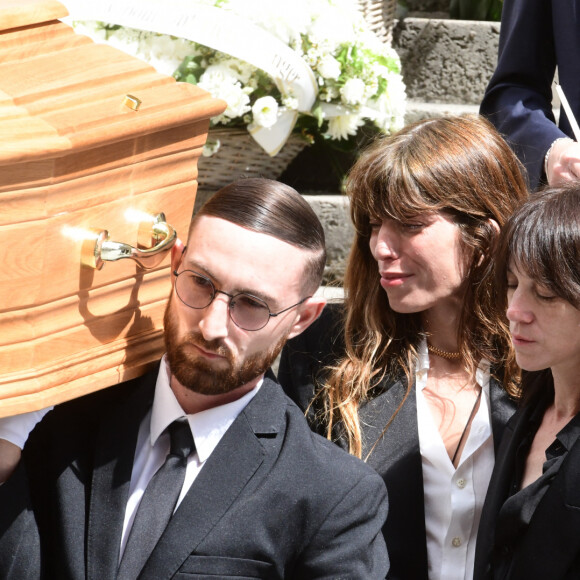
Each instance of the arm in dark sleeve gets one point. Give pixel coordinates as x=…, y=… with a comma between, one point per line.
x=20, y=557
x=518, y=99
x=350, y=543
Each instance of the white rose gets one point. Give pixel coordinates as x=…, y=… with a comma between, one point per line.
x=353, y=92
x=329, y=67
x=265, y=111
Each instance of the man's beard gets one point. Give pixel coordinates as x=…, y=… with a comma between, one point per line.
x=196, y=374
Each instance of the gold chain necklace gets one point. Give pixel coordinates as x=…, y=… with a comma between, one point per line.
x=443, y=353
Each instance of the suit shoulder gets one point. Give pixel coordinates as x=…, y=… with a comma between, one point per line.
x=83, y=414
x=328, y=457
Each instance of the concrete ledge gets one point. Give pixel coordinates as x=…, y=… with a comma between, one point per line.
x=446, y=61
x=418, y=111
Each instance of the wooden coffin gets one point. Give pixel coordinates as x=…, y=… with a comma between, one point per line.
x=81, y=167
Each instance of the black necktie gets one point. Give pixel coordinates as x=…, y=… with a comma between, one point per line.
x=158, y=502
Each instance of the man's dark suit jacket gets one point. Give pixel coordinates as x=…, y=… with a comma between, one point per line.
x=535, y=37
x=272, y=501
x=550, y=547
x=397, y=456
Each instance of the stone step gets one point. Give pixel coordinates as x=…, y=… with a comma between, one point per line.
x=446, y=61
x=417, y=111
x=333, y=212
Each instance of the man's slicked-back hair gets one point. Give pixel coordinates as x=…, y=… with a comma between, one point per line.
x=275, y=209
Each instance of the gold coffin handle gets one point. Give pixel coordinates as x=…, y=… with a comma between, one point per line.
x=159, y=232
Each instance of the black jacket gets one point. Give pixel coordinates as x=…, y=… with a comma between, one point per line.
x=397, y=456
x=272, y=501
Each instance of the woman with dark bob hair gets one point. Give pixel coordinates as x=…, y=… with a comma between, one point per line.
x=413, y=372
x=530, y=526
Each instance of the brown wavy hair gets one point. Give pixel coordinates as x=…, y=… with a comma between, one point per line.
x=457, y=165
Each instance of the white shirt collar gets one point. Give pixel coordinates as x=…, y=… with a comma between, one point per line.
x=207, y=427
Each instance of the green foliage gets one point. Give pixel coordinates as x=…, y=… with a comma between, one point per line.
x=475, y=9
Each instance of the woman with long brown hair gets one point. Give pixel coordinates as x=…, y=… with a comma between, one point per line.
x=414, y=372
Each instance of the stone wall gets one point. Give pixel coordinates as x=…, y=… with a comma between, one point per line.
x=446, y=61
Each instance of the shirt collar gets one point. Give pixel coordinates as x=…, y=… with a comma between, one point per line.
x=569, y=434
x=207, y=427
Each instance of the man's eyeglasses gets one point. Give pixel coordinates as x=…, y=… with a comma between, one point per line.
x=246, y=311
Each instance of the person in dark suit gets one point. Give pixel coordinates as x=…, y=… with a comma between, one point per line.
x=258, y=494
x=409, y=374
x=536, y=37
x=530, y=526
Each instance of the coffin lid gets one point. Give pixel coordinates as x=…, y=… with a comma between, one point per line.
x=74, y=160
x=49, y=106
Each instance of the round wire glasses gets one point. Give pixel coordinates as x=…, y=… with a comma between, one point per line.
x=246, y=311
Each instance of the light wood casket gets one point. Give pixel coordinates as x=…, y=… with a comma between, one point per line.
x=76, y=161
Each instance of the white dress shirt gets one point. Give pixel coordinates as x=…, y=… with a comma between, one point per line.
x=453, y=497
x=207, y=428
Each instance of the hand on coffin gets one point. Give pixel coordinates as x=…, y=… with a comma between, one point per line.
x=14, y=432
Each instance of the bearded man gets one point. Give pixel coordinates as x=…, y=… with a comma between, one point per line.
x=203, y=468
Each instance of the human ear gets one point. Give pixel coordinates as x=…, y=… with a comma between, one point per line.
x=176, y=256
x=309, y=311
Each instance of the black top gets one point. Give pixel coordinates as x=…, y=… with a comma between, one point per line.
x=273, y=500
x=539, y=535
x=516, y=513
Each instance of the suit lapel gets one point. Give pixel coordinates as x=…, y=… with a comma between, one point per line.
x=397, y=458
x=498, y=490
x=236, y=460
x=115, y=450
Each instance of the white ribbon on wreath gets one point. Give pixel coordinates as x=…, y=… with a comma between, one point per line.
x=219, y=30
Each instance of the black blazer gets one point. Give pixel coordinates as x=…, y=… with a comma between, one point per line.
x=397, y=456
x=272, y=501
x=550, y=547
x=535, y=37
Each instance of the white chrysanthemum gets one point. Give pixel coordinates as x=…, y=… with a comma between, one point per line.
x=353, y=92
x=330, y=93
x=265, y=111
x=333, y=28
x=329, y=67
x=344, y=126
x=211, y=147
x=388, y=111
x=164, y=52
x=216, y=74
x=290, y=102
x=91, y=30
x=222, y=83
